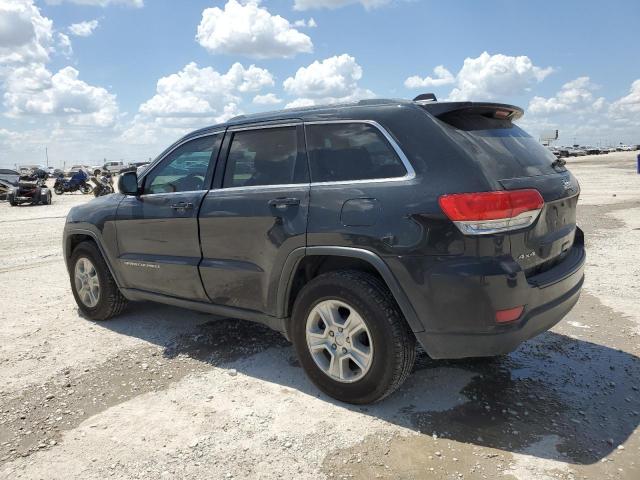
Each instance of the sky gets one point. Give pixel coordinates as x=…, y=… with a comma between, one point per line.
x=89, y=80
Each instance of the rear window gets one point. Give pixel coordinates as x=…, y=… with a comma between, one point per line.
x=350, y=151
x=266, y=156
x=503, y=149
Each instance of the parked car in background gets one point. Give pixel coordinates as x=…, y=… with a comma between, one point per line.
x=9, y=175
x=26, y=170
x=624, y=148
x=132, y=167
x=30, y=189
x=342, y=228
x=75, y=169
x=113, y=167
x=576, y=152
x=591, y=150
x=141, y=168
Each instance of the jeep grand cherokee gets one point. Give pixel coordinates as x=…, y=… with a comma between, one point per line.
x=355, y=230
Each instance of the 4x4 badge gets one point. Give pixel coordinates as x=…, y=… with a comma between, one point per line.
x=525, y=256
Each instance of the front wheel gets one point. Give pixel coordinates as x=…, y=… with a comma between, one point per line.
x=58, y=190
x=351, y=338
x=94, y=289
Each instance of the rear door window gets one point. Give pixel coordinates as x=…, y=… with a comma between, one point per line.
x=350, y=151
x=266, y=156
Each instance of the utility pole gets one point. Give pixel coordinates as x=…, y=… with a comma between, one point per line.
x=46, y=154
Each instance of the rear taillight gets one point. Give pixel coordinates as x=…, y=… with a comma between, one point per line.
x=484, y=213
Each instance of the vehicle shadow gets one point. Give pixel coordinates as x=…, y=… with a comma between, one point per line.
x=555, y=385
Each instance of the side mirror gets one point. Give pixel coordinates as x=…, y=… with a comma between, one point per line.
x=128, y=183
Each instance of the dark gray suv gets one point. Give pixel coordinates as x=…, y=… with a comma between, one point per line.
x=354, y=230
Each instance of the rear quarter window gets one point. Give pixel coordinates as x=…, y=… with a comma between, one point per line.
x=350, y=151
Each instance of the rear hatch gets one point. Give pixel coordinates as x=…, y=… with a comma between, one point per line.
x=511, y=159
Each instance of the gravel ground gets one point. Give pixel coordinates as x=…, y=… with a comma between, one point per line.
x=162, y=392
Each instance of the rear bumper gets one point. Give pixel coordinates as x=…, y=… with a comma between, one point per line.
x=458, y=309
x=461, y=345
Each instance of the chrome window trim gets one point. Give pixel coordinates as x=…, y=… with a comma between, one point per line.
x=242, y=128
x=260, y=187
x=147, y=195
x=153, y=164
x=410, y=175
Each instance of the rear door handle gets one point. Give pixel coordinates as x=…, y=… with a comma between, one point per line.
x=284, y=202
x=182, y=206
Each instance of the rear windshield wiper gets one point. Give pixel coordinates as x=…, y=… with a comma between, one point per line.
x=558, y=162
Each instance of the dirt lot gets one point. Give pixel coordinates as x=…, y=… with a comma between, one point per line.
x=167, y=393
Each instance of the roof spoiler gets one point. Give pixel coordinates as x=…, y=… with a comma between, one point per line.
x=500, y=111
x=426, y=97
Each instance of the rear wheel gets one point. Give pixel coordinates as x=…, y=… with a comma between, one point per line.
x=94, y=289
x=46, y=199
x=58, y=190
x=12, y=200
x=86, y=189
x=351, y=338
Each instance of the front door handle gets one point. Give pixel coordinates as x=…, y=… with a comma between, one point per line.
x=284, y=202
x=182, y=206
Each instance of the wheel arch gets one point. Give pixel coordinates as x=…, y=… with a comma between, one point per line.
x=349, y=258
x=75, y=237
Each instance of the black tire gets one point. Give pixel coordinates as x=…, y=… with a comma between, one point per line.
x=12, y=200
x=86, y=189
x=46, y=200
x=394, y=345
x=110, y=302
x=58, y=190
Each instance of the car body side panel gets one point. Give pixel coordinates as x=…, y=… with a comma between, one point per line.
x=245, y=243
x=158, y=245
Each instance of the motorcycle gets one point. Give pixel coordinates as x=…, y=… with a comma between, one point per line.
x=104, y=185
x=78, y=182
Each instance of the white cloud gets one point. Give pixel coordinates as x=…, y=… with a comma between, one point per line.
x=576, y=95
x=267, y=99
x=64, y=44
x=25, y=35
x=29, y=88
x=83, y=29
x=100, y=3
x=630, y=103
x=486, y=77
x=332, y=80
x=311, y=23
x=490, y=77
x=332, y=4
x=198, y=92
x=248, y=29
x=33, y=90
x=582, y=117
x=442, y=77
x=192, y=98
